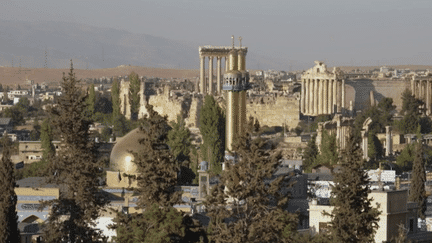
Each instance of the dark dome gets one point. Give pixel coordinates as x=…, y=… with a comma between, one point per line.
x=121, y=159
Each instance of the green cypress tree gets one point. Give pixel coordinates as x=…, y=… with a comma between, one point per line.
x=417, y=192
x=75, y=165
x=353, y=217
x=212, y=128
x=256, y=212
x=9, y=232
x=310, y=154
x=115, y=98
x=134, y=94
x=328, y=153
x=46, y=140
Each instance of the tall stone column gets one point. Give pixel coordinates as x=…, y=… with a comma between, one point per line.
x=364, y=144
x=412, y=87
x=428, y=94
x=202, y=75
x=210, y=80
x=335, y=96
x=226, y=64
x=302, y=105
x=343, y=96
x=320, y=96
x=417, y=90
x=311, y=97
x=326, y=99
x=389, y=149
x=315, y=95
x=219, y=81
x=307, y=81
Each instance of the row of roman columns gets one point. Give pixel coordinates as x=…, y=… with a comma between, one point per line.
x=322, y=96
x=207, y=88
x=421, y=89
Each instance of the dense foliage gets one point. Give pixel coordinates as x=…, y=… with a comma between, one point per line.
x=413, y=115
x=310, y=154
x=417, y=192
x=157, y=178
x=212, y=128
x=134, y=94
x=179, y=141
x=353, y=217
x=9, y=232
x=245, y=207
x=76, y=167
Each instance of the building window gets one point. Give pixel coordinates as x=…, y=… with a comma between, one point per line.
x=411, y=226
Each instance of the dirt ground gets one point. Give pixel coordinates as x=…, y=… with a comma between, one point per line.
x=14, y=75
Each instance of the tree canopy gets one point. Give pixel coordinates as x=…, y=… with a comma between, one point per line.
x=75, y=165
x=134, y=94
x=212, y=128
x=353, y=218
x=245, y=206
x=9, y=231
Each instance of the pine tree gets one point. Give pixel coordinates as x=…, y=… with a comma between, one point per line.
x=310, y=154
x=212, y=128
x=134, y=94
x=179, y=141
x=72, y=216
x=256, y=212
x=115, y=98
x=417, y=192
x=90, y=101
x=157, y=178
x=9, y=232
x=353, y=217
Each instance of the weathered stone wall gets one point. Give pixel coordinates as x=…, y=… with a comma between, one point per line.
x=274, y=111
x=166, y=102
x=358, y=91
x=269, y=110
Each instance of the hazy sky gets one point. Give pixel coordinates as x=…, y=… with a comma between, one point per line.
x=342, y=32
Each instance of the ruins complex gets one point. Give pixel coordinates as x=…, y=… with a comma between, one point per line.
x=212, y=52
x=322, y=92
x=421, y=89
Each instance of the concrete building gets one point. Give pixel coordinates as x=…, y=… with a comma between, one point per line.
x=395, y=210
x=322, y=91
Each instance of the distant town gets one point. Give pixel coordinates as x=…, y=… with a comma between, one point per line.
x=229, y=144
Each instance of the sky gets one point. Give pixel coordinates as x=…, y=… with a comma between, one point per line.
x=339, y=32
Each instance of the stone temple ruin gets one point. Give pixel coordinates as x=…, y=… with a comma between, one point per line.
x=269, y=110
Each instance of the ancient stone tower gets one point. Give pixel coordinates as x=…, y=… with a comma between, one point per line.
x=236, y=82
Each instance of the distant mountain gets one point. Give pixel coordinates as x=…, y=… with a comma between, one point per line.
x=25, y=44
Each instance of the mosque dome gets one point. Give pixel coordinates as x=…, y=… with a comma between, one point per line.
x=121, y=159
